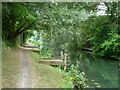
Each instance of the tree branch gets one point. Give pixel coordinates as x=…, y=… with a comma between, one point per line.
x=103, y=24
x=13, y=36
x=17, y=31
x=21, y=27
x=107, y=6
x=23, y=30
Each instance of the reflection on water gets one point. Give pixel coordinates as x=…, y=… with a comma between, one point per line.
x=97, y=70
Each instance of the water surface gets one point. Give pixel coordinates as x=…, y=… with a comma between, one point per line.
x=97, y=70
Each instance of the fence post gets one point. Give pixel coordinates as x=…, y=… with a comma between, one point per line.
x=65, y=61
x=61, y=55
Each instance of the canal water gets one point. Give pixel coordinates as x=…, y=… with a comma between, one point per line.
x=98, y=71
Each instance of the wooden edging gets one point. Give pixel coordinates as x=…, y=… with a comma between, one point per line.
x=61, y=61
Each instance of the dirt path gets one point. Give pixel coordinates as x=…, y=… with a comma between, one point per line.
x=36, y=75
x=22, y=70
x=25, y=76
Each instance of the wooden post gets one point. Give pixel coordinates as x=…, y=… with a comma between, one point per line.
x=65, y=61
x=61, y=55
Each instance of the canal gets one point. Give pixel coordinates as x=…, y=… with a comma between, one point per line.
x=98, y=71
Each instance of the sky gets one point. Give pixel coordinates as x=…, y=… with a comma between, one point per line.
x=101, y=9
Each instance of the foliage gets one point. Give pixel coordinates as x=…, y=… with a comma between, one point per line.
x=26, y=35
x=76, y=29
x=11, y=43
x=106, y=41
x=73, y=78
x=18, y=17
x=65, y=25
x=46, y=53
x=35, y=43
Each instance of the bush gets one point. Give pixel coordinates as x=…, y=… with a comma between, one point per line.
x=106, y=41
x=73, y=78
x=46, y=53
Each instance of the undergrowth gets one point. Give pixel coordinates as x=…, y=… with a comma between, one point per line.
x=73, y=78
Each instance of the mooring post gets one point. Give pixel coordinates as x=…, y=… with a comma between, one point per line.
x=61, y=55
x=65, y=61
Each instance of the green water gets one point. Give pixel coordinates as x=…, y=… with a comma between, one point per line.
x=97, y=70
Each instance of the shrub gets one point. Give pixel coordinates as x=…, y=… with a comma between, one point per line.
x=73, y=78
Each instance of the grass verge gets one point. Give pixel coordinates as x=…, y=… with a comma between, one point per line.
x=10, y=67
x=44, y=76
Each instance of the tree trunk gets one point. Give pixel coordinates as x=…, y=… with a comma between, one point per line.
x=15, y=34
x=13, y=24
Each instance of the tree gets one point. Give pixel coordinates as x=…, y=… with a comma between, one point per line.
x=104, y=36
x=17, y=18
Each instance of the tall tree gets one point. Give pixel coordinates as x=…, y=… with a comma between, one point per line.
x=17, y=18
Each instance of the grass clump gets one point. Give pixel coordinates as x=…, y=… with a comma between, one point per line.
x=73, y=78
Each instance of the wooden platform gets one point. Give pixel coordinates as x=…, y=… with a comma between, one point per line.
x=53, y=62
